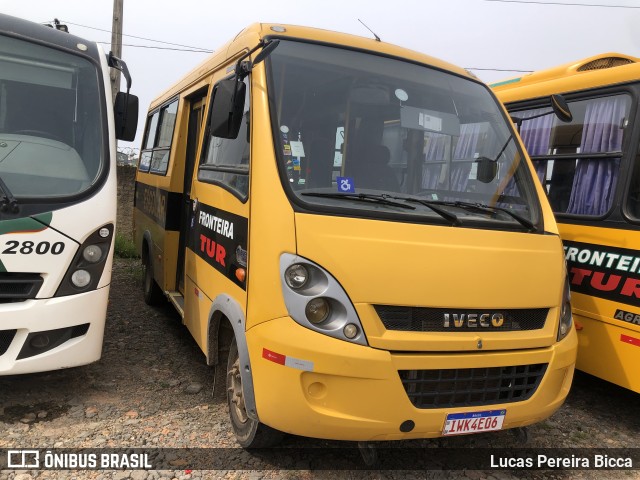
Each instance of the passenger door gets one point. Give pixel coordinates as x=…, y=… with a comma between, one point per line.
x=196, y=116
x=216, y=252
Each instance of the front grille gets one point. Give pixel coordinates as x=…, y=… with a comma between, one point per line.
x=19, y=286
x=466, y=387
x=6, y=337
x=418, y=319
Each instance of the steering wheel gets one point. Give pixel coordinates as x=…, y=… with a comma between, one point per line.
x=39, y=133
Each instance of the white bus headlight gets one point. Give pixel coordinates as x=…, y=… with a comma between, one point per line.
x=92, y=253
x=566, y=318
x=316, y=300
x=81, y=278
x=87, y=266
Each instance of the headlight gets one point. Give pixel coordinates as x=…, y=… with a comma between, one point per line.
x=87, y=266
x=315, y=300
x=317, y=310
x=81, y=278
x=296, y=276
x=566, y=318
x=92, y=253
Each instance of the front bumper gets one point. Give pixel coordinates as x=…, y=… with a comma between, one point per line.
x=313, y=385
x=46, y=315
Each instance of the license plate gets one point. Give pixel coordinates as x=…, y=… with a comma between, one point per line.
x=473, y=422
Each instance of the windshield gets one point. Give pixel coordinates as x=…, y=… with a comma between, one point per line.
x=347, y=122
x=51, y=139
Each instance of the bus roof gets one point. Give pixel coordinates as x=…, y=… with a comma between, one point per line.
x=26, y=30
x=596, y=71
x=250, y=36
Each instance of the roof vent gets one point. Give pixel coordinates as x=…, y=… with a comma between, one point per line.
x=606, y=62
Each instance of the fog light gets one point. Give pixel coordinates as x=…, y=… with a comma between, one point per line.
x=317, y=310
x=296, y=276
x=92, y=253
x=39, y=341
x=81, y=278
x=104, y=232
x=350, y=331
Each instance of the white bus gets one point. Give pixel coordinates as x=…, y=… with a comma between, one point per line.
x=58, y=135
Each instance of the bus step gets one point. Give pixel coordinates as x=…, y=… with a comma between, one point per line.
x=178, y=301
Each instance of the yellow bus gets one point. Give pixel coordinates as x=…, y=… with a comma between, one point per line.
x=352, y=234
x=590, y=170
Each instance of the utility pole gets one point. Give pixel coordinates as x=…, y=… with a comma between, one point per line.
x=116, y=44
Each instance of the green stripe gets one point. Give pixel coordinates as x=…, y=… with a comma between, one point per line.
x=506, y=82
x=26, y=224
x=44, y=218
x=3, y=269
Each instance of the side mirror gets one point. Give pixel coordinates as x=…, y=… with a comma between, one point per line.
x=561, y=108
x=227, y=108
x=125, y=112
x=487, y=170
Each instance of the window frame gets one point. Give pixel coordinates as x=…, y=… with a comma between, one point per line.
x=203, y=168
x=626, y=152
x=299, y=205
x=154, y=149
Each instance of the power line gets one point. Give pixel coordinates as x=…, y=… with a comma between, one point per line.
x=189, y=48
x=157, y=48
x=143, y=38
x=563, y=4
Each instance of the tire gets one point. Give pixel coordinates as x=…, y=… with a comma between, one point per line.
x=152, y=293
x=249, y=433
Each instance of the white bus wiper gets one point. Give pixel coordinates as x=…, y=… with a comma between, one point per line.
x=7, y=201
x=362, y=197
x=525, y=222
x=432, y=204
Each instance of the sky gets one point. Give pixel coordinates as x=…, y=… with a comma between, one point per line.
x=495, y=39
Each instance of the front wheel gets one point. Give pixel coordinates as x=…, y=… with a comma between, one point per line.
x=250, y=433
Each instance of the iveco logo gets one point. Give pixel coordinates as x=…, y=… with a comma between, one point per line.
x=473, y=320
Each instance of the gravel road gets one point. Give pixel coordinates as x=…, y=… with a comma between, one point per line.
x=152, y=389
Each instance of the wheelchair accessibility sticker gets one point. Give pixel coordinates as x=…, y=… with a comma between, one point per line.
x=345, y=185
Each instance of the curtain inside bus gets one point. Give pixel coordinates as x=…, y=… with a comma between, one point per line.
x=595, y=179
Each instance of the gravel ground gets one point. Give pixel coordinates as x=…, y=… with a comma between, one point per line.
x=152, y=389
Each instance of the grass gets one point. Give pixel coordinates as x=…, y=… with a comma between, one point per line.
x=124, y=247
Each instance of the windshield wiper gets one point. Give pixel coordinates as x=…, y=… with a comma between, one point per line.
x=362, y=197
x=525, y=222
x=7, y=201
x=432, y=205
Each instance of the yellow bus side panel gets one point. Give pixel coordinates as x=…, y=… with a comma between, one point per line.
x=608, y=348
x=603, y=352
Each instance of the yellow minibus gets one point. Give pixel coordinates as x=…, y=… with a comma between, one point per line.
x=352, y=233
x=590, y=170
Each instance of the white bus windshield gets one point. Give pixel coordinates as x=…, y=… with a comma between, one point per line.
x=347, y=122
x=51, y=140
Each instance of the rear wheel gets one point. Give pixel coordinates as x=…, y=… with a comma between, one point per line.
x=152, y=292
x=250, y=433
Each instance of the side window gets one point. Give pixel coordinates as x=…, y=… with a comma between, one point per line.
x=149, y=140
x=154, y=157
x=578, y=162
x=633, y=195
x=226, y=160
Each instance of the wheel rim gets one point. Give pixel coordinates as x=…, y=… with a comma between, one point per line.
x=236, y=397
